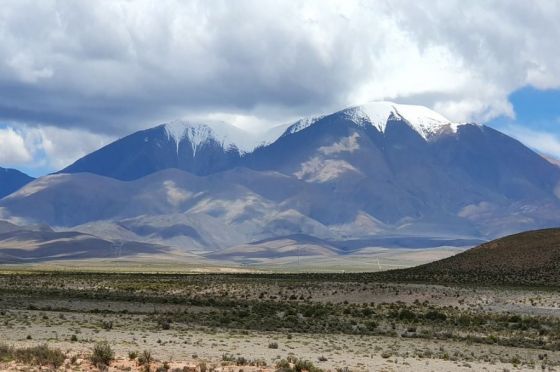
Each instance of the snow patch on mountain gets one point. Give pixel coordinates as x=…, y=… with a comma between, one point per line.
x=228, y=136
x=302, y=124
x=424, y=121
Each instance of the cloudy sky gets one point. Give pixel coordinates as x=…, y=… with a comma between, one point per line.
x=75, y=75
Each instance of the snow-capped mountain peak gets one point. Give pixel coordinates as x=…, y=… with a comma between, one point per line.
x=424, y=121
x=228, y=136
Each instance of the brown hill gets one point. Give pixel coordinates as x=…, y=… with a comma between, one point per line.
x=528, y=258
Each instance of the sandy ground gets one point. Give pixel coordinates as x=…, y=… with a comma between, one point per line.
x=360, y=353
x=182, y=346
x=34, y=319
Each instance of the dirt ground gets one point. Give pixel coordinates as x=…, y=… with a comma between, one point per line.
x=73, y=313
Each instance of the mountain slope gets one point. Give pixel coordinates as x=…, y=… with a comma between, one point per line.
x=32, y=244
x=206, y=148
x=11, y=180
x=469, y=174
x=197, y=148
x=376, y=170
x=170, y=206
x=528, y=258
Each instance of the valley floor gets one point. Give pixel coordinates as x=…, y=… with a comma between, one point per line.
x=250, y=322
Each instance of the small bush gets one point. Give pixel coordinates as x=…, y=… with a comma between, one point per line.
x=203, y=367
x=102, y=354
x=406, y=314
x=273, y=345
x=73, y=338
x=435, y=315
x=165, y=324
x=306, y=365
x=132, y=355
x=283, y=365
x=145, y=358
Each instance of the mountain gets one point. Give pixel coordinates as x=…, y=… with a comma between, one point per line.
x=528, y=258
x=40, y=243
x=374, y=173
x=194, y=147
x=11, y=180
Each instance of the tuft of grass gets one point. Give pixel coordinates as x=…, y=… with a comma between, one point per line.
x=102, y=354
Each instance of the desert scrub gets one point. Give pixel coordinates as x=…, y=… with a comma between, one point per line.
x=145, y=358
x=293, y=364
x=37, y=355
x=102, y=354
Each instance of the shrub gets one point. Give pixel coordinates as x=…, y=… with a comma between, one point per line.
x=283, y=364
x=39, y=355
x=386, y=354
x=165, y=324
x=102, y=354
x=273, y=345
x=203, y=367
x=306, y=365
x=435, y=315
x=371, y=325
x=406, y=314
x=145, y=358
x=132, y=355
x=73, y=338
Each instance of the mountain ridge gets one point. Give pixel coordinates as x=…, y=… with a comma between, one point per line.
x=222, y=146
x=12, y=180
x=340, y=177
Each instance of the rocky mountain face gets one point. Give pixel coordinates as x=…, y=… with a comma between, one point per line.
x=371, y=171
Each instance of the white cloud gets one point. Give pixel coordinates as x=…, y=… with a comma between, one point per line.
x=46, y=146
x=476, y=211
x=13, y=150
x=64, y=146
x=115, y=66
x=84, y=72
x=544, y=142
